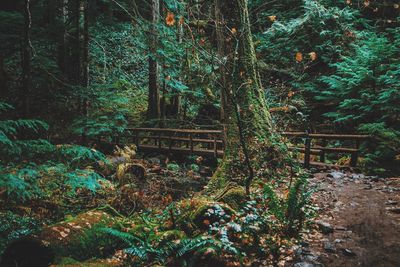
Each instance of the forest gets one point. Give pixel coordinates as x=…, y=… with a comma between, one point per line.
x=199, y=133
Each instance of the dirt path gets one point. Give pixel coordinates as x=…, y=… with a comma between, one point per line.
x=359, y=222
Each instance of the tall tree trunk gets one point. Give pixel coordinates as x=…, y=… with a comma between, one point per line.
x=26, y=59
x=176, y=100
x=85, y=52
x=51, y=11
x=3, y=78
x=249, y=147
x=153, y=110
x=63, y=53
x=220, y=38
x=77, y=42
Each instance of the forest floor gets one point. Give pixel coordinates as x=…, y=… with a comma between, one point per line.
x=358, y=221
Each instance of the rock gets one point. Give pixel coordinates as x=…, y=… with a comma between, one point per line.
x=304, y=243
x=306, y=264
x=310, y=258
x=348, y=252
x=154, y=160
x=373, y=178
x=78, y=236
x=394, y=210
x=340, y=228
x=325, y=227
x=391, y=202
x=329, y=247
x=357, y=176
x=336, y=175
x=367, y=187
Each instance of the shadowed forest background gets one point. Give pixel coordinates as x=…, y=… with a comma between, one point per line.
x=78, y=76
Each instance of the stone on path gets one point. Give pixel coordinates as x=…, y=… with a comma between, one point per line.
x=329, y=247
x=325, y=227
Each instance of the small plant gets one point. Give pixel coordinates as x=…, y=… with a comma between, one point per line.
x=155, y=249
x=173, y=167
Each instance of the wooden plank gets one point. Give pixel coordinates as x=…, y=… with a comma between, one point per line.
x=340, y=136
x=295, y=134
x=184, y=139
x=328, y=136
x=316, y=149
x=171, y=130
x=338, y=149
x=196, y=151
x=301, y=150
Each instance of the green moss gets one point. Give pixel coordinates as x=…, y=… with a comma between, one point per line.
x=172, y=235
x=234, y=197
x=80, y=238
x=218, y=180
x=70, y=262
x=199, y=216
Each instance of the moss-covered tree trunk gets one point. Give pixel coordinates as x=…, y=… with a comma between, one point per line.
x=247, y=120
x=153, y=110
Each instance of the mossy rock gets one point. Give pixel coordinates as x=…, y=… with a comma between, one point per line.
x=202, y=218
x=171, y=235
x=70, y=262
x=80, y=237
x=234, y=197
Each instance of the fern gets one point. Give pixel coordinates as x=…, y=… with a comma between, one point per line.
x=161, y=250
x=296, y=202
x=79, y=155
x=83, y=179
x=274, y=204
x=20, y=185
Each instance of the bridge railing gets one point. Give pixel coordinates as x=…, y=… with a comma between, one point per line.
x=211, y=142
x=309, y=148
x=194, y=141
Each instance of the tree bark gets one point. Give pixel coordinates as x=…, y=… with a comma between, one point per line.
x=26, y=59
x=3, y=78
x=63, y=53
x=77, y=39
x=153, y=110
x=85, y=50
x=248, y=125
x=220, y=38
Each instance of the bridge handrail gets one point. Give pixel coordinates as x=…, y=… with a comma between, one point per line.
x=328, y=136
x=215, y=138
x=164, y=130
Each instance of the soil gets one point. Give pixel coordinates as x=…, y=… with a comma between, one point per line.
x=362, y=219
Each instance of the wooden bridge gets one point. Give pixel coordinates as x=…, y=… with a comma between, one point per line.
x=211, y=143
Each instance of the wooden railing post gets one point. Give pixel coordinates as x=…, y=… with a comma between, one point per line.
x=170, y=143
x=191, y=142
x=215, y=146
x=354, y=155
x=322, y=156
x=307, y=150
